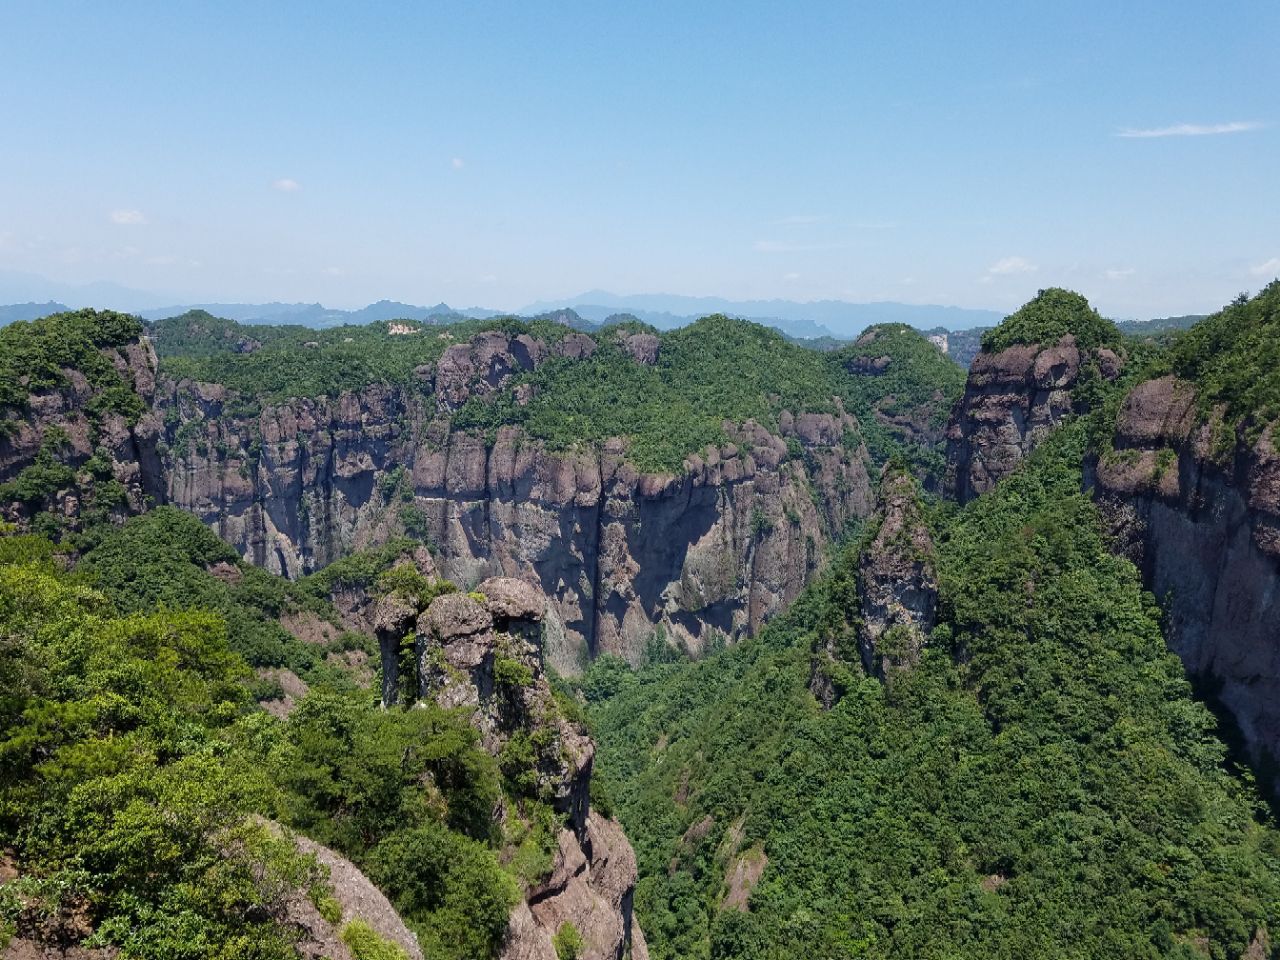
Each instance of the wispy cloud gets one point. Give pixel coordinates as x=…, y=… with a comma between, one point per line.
x=286, y=185
x=1192, y=129
x=1009, y=266
x=1118, y=274
x=790, y=276
x=799, y=219
x=1269, y=269
x=128, y=218
x=457, y=163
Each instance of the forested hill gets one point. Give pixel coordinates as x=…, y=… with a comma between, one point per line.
x=667, y=393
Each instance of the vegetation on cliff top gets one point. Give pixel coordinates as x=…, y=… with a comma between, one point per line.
x=1047, y=318
x=36, y=356
x=1041, y=785
x=1233, y=357
x=713, y=370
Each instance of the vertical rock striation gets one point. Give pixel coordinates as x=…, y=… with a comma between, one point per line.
x=711, y=550
x=1195, y=502
x=1012, y=399
x=897, y=582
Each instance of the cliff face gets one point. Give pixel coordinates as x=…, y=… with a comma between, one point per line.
x=1196, y=503
x=112, y=459
x=897, y=583
x=481, y=653
x=714, y=549
x=1013, y=399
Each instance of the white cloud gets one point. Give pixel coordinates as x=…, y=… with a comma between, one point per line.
x=286, y=185
x=1011, y=265
x=1269, y=269
x=791, y=276
x=128, y=218
x=802, y=218
x=1116, y=274
x=335, y=271
x=1192, y=129
x=457, y=163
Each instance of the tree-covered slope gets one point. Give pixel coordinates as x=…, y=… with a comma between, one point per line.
x=136, y=769
x=1041, y=785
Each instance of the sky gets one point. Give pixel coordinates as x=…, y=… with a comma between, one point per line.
x=493, y=154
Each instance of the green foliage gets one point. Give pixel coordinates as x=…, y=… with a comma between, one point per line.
x=1041, y=785
x=163, y=559
x=1047, y=318
x=568, y=942
x=710, y=371
x=449, y=887
x=35, y=356
x=115, y=797
x=1233, y=358
x=366, y=944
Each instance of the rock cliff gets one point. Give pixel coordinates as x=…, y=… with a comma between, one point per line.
x=481, y=653
x=713, y=549
x=897, y=582
x=1012, y=399
x=1195, y=502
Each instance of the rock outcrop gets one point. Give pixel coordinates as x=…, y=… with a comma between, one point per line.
x=706, y=552
x=1195, y=502
x=1012, y=400
x=114, y=458
x=481, y=652
x=897, y=582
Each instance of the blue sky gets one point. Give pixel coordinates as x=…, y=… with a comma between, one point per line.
x=497, y=153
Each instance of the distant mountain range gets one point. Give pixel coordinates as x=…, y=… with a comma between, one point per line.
x=811, y=320
x=318, y=315
x=818, y=321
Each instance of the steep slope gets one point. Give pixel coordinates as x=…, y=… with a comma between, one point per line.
x=1041, y=365
x=684, y=486
x=132, y=750
x=1189, y=475
x=1040, y=784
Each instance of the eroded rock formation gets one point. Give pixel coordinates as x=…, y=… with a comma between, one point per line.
x=481, y=652
x=1195, y=502
x=897, y=582
x=1012, y=400
x=715, y=548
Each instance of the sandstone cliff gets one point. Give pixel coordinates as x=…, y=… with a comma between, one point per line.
x=110, y=459
x=897, y=582
x=713, y=549
x=1196, y=503
x=1012, y=399
x=481, y=653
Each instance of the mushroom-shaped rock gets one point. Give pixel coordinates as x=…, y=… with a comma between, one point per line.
x=512, y=599
x=455, y=615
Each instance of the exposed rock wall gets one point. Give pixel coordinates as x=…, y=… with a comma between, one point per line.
x=1196, y=504
x=481, y=653
x=128, y=451
x=711, y=550
x=715, y=548
x=1012, y=400
x=897, y=583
